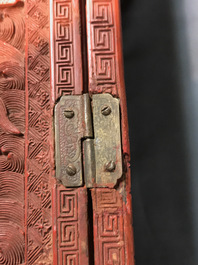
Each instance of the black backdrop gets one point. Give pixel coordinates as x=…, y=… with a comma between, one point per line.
x=163, y=228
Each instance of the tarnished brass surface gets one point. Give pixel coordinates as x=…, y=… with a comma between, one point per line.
x=89, y=163
x=72, y=123
x=107, y=139
x=101, y=144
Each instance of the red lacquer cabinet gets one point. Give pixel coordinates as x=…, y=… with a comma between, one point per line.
x=64, y=149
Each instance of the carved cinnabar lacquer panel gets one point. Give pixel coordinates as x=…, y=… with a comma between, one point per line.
x=50, y=49
x=12, y=135
x=38, y=210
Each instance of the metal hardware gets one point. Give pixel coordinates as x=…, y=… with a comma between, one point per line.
x=90, y=162
x=106, y=110
x=69, y=113
x=71, y=170
x=69, y=132
x=101, y=157
x=107, y=140
x=110, y=166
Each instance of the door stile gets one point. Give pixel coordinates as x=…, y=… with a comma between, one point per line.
x=112, y=211
x=70, y=220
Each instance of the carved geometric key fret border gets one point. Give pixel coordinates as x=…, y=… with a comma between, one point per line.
x=70, y=218
x=102, y=47
x=108, y=227
x=66, y=51
x=113, y=233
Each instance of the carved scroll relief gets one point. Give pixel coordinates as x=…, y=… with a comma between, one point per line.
x=12, y=127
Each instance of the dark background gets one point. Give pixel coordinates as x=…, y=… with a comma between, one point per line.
x=162, y=177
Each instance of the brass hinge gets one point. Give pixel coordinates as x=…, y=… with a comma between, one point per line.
x=88, y=140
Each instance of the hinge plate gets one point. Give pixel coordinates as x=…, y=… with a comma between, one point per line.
x=72, y=124
x=78, y=145
x=106, y=143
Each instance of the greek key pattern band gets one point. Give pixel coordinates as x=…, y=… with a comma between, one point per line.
x=66, y=43
x=102, y=51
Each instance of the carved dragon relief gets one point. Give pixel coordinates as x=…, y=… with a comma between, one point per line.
x=12, y=126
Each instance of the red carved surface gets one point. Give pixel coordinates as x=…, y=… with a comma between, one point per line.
x=102, y=48
x=70, y=209
x=38, y=123
x=42, y=222
x=12, y=127
x=105, y=62
x=72, y=226
x=108, y=227
x=66, y=44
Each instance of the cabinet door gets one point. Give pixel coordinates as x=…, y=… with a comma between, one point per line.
x=51, y=48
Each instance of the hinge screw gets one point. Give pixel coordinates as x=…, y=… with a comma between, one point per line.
x=110, y=166
x=106, y=110
x=69, y=113
x=71, y=170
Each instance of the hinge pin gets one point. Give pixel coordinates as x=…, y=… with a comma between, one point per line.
x=106, y=110
x=69, y=113
x=71, y=170
x=110, y=166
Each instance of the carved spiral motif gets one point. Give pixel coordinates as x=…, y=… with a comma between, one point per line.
x=14, y=104
x=12, y=126
x=6, y=28
x=11, y=157
x=12, y=28
x=11, y=211
x=11, y=245
x=10, y=54
x=12, y=186
x=11, y=76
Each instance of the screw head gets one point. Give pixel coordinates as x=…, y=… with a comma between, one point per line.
x=106, y=110
x=71, y=170
x=69, y=113
x=110, y=166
